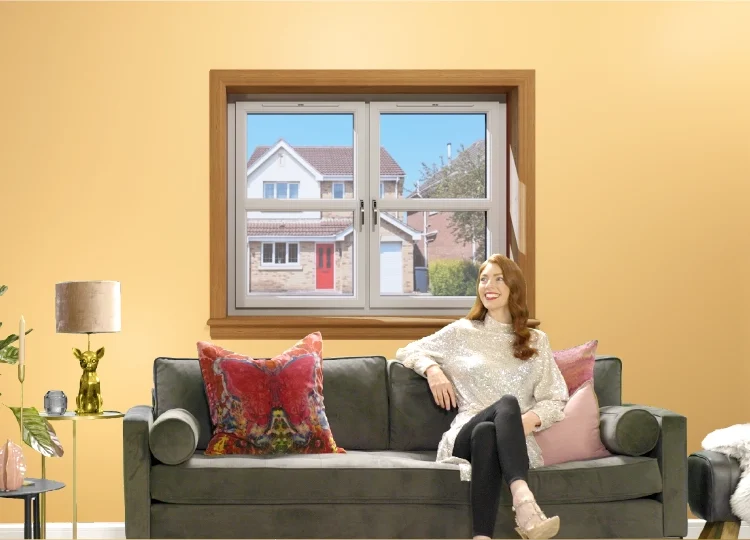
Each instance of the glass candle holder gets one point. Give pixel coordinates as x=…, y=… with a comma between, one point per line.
x=55, y=402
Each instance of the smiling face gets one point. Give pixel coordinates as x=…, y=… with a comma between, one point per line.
x=493, y=291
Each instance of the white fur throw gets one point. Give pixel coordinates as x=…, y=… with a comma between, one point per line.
x=734, y=441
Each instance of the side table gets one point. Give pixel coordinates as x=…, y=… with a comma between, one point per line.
x=30, y=495
x=75, y=418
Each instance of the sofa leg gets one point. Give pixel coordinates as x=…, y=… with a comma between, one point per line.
x=728, y=530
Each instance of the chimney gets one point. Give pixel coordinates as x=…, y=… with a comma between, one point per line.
x=449, y=151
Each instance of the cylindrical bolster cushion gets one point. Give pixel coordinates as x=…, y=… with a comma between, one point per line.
x=628, y=431
x=174, y=436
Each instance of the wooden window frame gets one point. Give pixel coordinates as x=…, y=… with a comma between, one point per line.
x=517, y=85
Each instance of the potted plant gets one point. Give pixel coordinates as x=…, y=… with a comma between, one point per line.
x=36, y=431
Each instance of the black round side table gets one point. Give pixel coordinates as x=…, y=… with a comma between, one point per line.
x=30, y=494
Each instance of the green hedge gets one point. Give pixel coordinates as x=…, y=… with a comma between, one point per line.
x=453, y=278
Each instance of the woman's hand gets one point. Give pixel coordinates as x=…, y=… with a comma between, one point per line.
x=442, y=389
x=531, y=421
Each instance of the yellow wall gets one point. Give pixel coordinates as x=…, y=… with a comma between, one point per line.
x=642, y=175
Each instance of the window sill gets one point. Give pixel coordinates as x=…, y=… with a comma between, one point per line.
x=280, y=267
x=291, y=327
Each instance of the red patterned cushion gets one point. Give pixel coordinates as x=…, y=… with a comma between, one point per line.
x=577, y=364
x=267, y=406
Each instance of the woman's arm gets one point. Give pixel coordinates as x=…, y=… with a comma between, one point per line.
x=551, y=392
x=432, y=350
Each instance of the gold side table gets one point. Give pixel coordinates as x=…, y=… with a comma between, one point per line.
x=75, y=418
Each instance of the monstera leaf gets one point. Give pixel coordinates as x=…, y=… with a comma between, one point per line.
x=38, y=432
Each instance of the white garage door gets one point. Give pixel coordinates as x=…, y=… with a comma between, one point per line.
x=391, y=269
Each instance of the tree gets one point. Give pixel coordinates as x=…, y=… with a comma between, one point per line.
x=464, y=177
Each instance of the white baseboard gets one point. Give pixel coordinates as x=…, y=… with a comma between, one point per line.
x=107, y=531
x=65, y=530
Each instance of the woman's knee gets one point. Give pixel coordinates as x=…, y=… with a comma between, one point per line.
x=483, y=435
x=508, y=404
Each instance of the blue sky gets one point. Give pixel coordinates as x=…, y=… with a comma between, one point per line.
x=410, y=138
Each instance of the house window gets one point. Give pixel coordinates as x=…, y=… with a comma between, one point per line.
x=280, y=190
x=361, y=253
x=338, y=190
x=279, y=253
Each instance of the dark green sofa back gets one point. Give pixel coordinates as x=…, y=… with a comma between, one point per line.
x=371, y=403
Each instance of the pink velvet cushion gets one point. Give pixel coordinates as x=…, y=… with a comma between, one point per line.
x=577, y=364
x=576, y=437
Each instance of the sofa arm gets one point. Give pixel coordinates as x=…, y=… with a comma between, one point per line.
x=136, y=457
x=628, y=430
x=671, y=454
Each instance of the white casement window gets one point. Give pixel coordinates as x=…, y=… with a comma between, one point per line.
x=275, y=254
x=300, y=251
x=280, y=190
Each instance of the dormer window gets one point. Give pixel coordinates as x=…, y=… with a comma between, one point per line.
x=281, y=190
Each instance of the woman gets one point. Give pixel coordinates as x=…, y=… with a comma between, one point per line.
x=504, y=380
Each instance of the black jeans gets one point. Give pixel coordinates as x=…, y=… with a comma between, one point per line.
x=495, y=444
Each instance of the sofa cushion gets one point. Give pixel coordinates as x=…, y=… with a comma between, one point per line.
x=173, y=437
x=629, y=430
x=577, y=364
x=178, y=384
x=384, y=477
x=356, y=398
x=608, y=380
x=267, y=406
x=416, y=422
x=575, y=437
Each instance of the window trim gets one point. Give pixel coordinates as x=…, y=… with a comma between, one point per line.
x=276, y=266
x=518, y=85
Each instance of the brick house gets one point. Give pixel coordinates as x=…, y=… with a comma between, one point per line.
x=439, y=242
x=308, y=252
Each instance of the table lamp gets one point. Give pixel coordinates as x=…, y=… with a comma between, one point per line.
x=88, y=307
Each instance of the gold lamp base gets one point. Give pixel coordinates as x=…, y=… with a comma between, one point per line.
x=89, y=399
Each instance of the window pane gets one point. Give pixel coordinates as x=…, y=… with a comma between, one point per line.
x=436, y=254
x=305, y=153
x=311, y=255
x=294, y=191
x=281, y=190
x=293, y=253
x=268, y=190
x=279, y=253
x=338, y=191
x=440, y=155
x=268, y=253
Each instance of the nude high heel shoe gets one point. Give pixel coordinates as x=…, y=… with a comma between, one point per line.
x=544, y=529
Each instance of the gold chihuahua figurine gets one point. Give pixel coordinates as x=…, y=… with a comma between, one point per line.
x=89, y=399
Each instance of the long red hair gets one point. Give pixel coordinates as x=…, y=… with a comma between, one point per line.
x=519, y=312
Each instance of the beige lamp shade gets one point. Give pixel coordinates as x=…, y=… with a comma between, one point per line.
x=87, y=307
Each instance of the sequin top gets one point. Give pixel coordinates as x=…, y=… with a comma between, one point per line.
x=477, y=357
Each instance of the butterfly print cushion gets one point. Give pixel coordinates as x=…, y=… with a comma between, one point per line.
x=267, y=406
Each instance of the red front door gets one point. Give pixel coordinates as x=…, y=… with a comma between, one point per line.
x=324, y=266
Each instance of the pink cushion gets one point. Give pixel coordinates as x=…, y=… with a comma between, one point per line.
x=577, y=364
x=576, y=437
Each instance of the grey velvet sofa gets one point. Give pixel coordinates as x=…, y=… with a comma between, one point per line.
x=388, y=485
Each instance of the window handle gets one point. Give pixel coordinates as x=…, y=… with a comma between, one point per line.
x=361, y=214
x=374, y=214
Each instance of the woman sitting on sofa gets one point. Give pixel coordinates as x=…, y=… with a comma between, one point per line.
x=504, y=380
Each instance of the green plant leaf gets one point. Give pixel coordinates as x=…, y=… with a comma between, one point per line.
x=38, y=433
x=9, y=355
x=3, y=288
